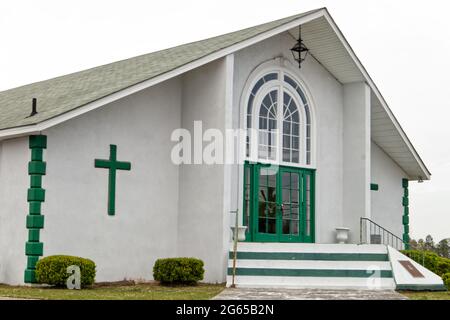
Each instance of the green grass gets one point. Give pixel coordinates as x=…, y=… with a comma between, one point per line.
x=427, y=295
x=122, y=291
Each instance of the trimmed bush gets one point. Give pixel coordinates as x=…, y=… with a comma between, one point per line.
x=446, y=279
x=53, y=270
x=430, y=260
x=443, y=266
x=433, y=262
x=178, y=270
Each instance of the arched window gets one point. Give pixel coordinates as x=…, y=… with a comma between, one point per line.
x=278, y=120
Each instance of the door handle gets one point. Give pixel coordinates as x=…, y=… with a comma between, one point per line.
x=281, y=207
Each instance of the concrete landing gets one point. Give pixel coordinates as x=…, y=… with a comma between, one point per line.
x=306, y=294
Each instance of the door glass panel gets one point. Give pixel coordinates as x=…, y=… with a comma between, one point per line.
x=272, y=226
x=272, y=207
x=263, y=219
x=286, y=216
x=294, y=227
x=286, y=195
x=272, y=184
x=272, y=194
x=294, y=181
x=267, y=201
x=294, y=197
x=263, y=178
x=272, y=217
x=261, y=224
x=271, y=178
x=290, y=203
x=295, y=190
x=286, y=225
x=283, y=210
x=286, y=180
x=308, y=205
x=262, y=209
x=295, y=216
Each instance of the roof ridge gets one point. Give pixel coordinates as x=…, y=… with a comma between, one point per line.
x=288, y=19
x=68, y=92
x=60, y=97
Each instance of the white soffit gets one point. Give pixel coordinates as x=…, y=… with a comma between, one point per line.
x=328, y=49
x=385, y=134
x=324, y=41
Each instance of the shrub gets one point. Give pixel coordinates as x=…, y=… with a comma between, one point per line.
x=443, y=266
x=430, y=260
x=433, y=262
x=178, y=270
x=446, y=279
x=53, y=270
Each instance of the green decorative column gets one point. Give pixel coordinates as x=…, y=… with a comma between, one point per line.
x=36, y=195
x=405, y=202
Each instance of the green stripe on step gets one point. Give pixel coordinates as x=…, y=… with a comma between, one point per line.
x=311, y=273
x=421, y=287
x=311, y=256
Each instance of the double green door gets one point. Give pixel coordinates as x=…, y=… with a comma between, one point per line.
x=278, y=203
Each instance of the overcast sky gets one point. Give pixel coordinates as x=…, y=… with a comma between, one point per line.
x=404, y=45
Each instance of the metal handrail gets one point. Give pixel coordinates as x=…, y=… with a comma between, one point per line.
x=386, y=237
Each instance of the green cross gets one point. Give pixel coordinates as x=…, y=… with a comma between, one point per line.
x=112, y=164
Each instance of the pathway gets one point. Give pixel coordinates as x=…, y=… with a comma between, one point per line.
x=306, y=294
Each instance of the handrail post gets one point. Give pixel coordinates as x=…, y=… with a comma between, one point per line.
x=235, y=241
x=360, y=229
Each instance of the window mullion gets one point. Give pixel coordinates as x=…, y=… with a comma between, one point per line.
x=302, y=139
x=280, y=123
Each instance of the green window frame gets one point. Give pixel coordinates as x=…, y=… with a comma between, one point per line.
x=305, y=198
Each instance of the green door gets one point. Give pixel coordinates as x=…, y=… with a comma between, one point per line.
x=278, y=203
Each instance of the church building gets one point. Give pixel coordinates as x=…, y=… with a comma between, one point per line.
x=110, y=164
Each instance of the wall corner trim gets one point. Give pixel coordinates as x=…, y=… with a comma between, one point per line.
x=405, y=217
x=35, y=196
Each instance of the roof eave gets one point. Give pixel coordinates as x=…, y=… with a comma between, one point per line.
x=323, y=12
x=426, y=173
x=8, y=133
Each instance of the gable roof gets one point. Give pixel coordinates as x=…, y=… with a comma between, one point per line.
x=65, y=97
x=59, y=95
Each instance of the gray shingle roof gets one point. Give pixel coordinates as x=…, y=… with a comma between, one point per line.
x=62, y=94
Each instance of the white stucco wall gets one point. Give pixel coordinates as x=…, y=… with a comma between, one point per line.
x=164, y=210
x=14, y=182
x=356, y=183
x=201, y=227
x=386, y=203
x=145, y=225
x=327, y=98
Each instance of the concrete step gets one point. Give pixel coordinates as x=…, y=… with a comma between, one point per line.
x=313, y=282
x=310, y=247
x=312, y=264
x=299, y=265
x=324, y=256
